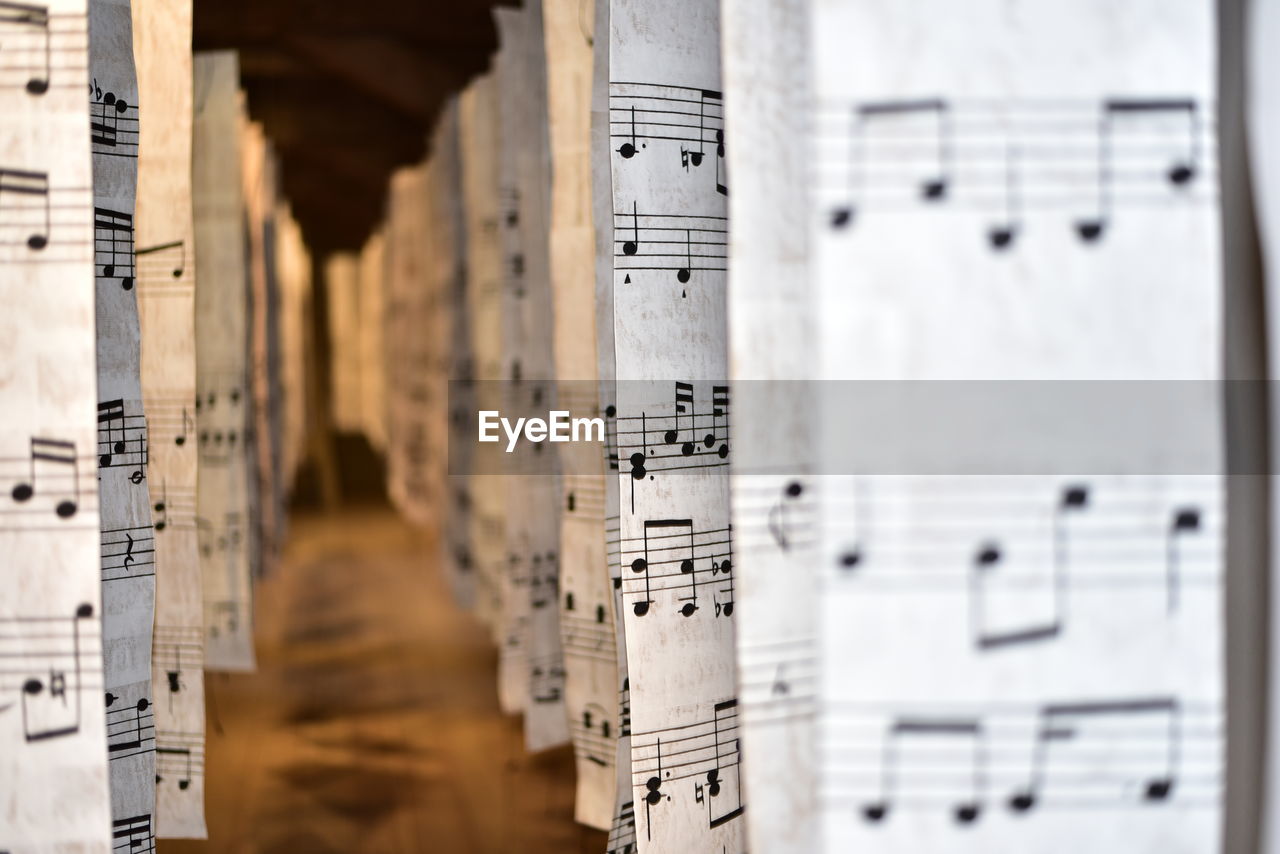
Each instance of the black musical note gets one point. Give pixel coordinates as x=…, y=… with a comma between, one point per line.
x=967, y=810
x=54, y=452
x=1073, y=499
x=1186, y=521
x=1179, y=173
x=935, y=111
x=178, y=268
x=681, y=243
x=132, y=835
x=26, y=184
x=129, y=729
x=36, y=18
x=183, y=765
x=1060, y=723
x=113, y=245
x=778, y=527
x=51, y=690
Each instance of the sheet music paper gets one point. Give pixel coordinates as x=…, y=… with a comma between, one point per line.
x=586, y=596
x=259, y=175
x=289, y=347
x=676, y=539
x=766, y=80
x=373, y=417
x=1262, y=109
x=166, y=291
x=341, y=282
x=478, y=136
x=622, y=830
x=1018, y=662
x=53, y=767
x=410, y=298
x=127, y=538
x=223, y=392
x=531, y=616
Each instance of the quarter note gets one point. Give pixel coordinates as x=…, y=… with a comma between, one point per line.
x=632, y=246
x=1185, y=521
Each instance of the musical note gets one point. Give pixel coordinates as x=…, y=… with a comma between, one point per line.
x=967, y=730
x=681, y=243
x=52, y=657
x=1073, y=499
x=131, y=729
x=688, y=117
x=1186, y=521
x=1181, y=171
x=132, y=835
x=113, y=245
x=934, y=112
x=25, y=15
x=703, y=755
x=779, y=528
x=622, y=835
x=1008, y=158
x=182, y=765
x=178, y=268
x=1060, y=723
x=33, y=186
x=60, y=454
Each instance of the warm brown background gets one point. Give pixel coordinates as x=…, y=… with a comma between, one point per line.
x=372, y=724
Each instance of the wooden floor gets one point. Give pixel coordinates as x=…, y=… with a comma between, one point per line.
x=372, y=723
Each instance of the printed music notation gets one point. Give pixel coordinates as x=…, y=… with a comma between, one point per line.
x=595, y=738
x=222, y=417
x=1138, y=751
x=687, y=440
x=49, y=485
x=588, y=636
x=174, y=509
x=778, y=679
x=113, y=246
x=47, y=669
x=41, y=221
x=42, y=50
x=544, y=580
x=680, y=243
x=546, y=679
x=1083, y=160
x=686, y=118
x=778, y=512
x=131, y=728
x=179, y=758
x=622, y=835
x=178, y=652
x=219, y=538
x=1047, y=545
x=222, y=615
x=128, y=553
x=703, y=756
x=172, y=419
x=672, y=556
x=132, y=835
x=162, y=269
x=122, y=438
x=113, y=123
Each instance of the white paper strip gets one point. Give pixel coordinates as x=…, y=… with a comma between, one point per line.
x=128, y=539
x=53, y=766
x=1018, y=662
x=166, y=291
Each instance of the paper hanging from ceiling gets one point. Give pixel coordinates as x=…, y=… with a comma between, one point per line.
x=53, y=768
x=670, y=223
x=765, y=46
x=223, y=398
x=486, y=519
x=166, y=290
x=1018, y=661
x=127, y=536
